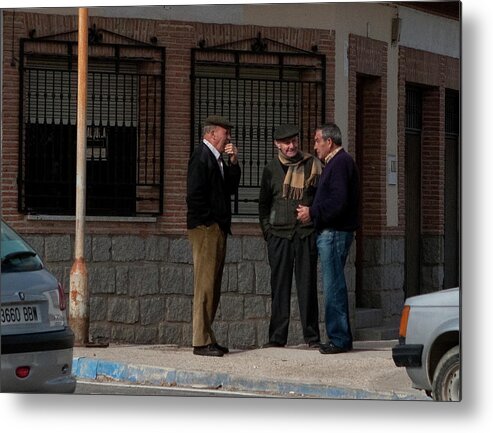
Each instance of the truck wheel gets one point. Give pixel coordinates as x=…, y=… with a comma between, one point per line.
x=446, y=380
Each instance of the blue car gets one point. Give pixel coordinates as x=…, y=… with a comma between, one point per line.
x=36, y=341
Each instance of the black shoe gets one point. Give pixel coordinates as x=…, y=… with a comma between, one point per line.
x=331, y=349
x=221, y=348
x=314, y=344
x=272, y=344
x=209, y=350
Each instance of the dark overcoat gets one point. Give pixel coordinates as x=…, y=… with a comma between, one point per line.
x=208, y=193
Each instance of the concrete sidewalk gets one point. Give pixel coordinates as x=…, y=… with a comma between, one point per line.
x=367, y=372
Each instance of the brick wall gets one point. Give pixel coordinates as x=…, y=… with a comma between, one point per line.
x=178, y=38
x=368, y=58
x=435, y=73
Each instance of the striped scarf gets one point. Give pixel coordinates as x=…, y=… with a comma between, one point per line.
x=294, y=182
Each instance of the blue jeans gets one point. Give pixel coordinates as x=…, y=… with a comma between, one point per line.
x=333, y=249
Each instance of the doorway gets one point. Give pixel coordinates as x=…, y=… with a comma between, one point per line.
x=412, y=282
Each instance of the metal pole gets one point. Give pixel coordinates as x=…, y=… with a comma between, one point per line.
x=79, y=297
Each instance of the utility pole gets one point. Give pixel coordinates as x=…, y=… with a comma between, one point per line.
x=79, y=296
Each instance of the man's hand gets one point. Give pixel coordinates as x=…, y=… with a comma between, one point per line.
x=304, y=214
x=232, y=151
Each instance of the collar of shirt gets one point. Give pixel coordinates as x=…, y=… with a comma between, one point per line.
x=332, y=154
x=213, y=149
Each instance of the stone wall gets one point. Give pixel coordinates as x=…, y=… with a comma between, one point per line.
x=141, y=288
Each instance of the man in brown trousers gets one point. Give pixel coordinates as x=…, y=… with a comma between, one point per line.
x=211, y=182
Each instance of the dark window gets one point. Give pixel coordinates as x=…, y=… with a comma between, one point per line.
x=257, y=91
x=124, y=129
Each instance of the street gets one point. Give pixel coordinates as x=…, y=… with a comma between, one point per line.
x=113, y=388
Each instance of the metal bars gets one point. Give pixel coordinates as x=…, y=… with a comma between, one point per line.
x=257, y=92
x=125, y=128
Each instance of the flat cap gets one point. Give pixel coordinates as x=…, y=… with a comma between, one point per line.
x=219, y=121
x=285, y=131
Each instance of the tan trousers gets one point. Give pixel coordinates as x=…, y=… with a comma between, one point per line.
x=208, y=251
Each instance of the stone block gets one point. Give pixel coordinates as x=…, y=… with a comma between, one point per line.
x=37, y=243
x=123, y=310
x=231, y=307
x=59, y=272
x=253, y=248
x=246, y=278
x=146, y=335
x=372, y=278
x=262, y=328
x=295, y=333
x=152, y=310
x=101, y=279
x=220, y=329
x=127, y=248
x=398, y=250
x=432, y=250
x=254, y=307
x=99, y=332
x=101, y=248
x=262, y=279
x=143, y=280
x=233, y=250
x=123, y=333
x=58, y=248
x=187, y=334
x=172, y=279
x=188, y=288
x=122, y=280
x=179, y=309
x=393, y=276
x=180, y=251
x=156, y=248
x=242, y=335
x=432, y=278
x=98, y=308
x=170, y=333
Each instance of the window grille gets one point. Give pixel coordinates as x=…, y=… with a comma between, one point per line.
x=125, y=135
x=414, y=109
x=452, y=112
x=257, y=91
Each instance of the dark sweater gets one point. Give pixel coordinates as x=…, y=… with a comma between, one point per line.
x=278, y=215
x=336, y=201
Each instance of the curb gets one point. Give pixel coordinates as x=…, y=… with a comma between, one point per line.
x=94, y=369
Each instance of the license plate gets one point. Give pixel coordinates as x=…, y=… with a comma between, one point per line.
x=19, y=314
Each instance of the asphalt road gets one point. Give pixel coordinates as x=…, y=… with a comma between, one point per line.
x=111, y=388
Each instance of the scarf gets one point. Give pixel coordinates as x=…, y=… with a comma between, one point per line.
x=294, y=182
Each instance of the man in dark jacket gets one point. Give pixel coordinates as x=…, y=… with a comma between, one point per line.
x=287, y=181
x=211, y=182
x=334, y=212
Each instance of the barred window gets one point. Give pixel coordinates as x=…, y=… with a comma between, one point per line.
x=124, y=129
x=257, y=92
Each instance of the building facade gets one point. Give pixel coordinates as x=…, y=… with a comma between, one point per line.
x=387, y=73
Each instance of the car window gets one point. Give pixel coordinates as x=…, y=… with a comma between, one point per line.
x=17, y=255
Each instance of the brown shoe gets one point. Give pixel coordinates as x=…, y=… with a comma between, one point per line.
x=209, y=350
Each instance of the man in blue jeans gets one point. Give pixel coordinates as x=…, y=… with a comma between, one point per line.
x=334, y=212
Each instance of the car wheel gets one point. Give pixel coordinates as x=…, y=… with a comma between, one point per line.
x=446, y=380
